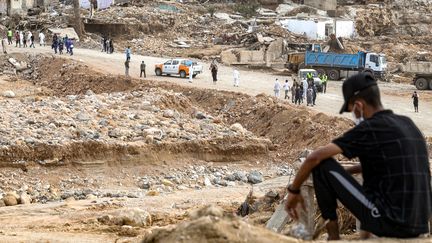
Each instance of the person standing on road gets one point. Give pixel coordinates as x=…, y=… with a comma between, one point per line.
x=17, y=39
x=214, y=69
x=415, y=98
x=236, y=76
x=41, y=39
x=71, y=46
x=23, y=41
x=60, y=46
x=3, y=43
x=191, y=72
x=32, y=41
x=286, y=87
x=395, y=199
x=298, y=94
x=293, y=92
x=9, y=36
x=277, y=88
x=127, y=68
x=324, y=79
x=314, y=93
x=143, y=70
x=305, y=86
x=111, y=46
x=128, y=53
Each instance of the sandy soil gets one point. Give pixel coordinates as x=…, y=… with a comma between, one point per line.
x=395, y=96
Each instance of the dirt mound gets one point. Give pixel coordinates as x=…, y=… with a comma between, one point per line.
x=214, y=229
x=68, y=77
x=291, y=128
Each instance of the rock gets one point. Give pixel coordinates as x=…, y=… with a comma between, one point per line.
x=91, y=197
x=145, y=185
x=255, y=177
x=167, y=183
x=237, y=127
x=83, y=116
x=133, y=217
x=24, y=198
x=9, y=94
x=89, y=92
x=207, y=181
x=200, y=115
x=240, y=176
x=153, y=193
x=10, y=200
x=210, y=210
x=168, y=114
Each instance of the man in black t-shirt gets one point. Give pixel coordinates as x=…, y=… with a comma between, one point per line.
x=395, y=198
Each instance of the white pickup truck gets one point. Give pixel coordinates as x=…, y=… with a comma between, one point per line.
x=178, y=67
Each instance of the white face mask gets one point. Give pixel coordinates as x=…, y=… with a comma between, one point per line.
x=356, y=120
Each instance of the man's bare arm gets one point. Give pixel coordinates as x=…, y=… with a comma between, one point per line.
x=312, y=161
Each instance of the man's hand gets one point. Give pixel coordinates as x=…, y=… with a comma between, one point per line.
x=292, y=203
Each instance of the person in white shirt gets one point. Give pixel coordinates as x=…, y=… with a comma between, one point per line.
x=286, y=87
x=236, y=76
x=41, y=39
x=277, y=87
x=191, y=71
x=305, y=88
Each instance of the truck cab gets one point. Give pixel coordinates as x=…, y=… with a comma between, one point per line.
x=376, y=64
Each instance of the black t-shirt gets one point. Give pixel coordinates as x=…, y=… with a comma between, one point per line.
x=396, y=175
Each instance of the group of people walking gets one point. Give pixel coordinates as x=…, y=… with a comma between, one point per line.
x=59, y=43
x=107, y=45
x=22, y=39
x=306, y=90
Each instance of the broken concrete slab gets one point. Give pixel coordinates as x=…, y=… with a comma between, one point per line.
x=69, y=32
x=279, y=219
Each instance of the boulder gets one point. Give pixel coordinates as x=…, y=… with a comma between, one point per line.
x=9, y=94
x=10, y=200
x=24, y=198
x=255, y=177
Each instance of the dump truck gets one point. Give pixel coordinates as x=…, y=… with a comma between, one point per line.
x=423, y=74
x=337, y=65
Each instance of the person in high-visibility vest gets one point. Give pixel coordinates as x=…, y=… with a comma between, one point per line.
x=9, y=36
x=324, y=79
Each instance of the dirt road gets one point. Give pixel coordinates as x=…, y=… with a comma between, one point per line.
x=395, y=96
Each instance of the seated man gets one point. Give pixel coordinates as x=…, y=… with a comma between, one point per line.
x=395, y=198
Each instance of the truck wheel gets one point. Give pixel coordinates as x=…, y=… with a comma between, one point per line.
x=421, y=84
x=158, y=72
x=430, y=84
x=321, y=71
x=182, y=74
x=193, y=76
x=334, y=74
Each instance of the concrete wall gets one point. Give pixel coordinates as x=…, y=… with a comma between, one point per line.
x=345, y=28
x=228, y=57
x=274, y=52
x=252, y=56
x=314, y=30
x=322, y=4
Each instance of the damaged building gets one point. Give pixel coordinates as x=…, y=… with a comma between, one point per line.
x=319, y=28
x=11, y=7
